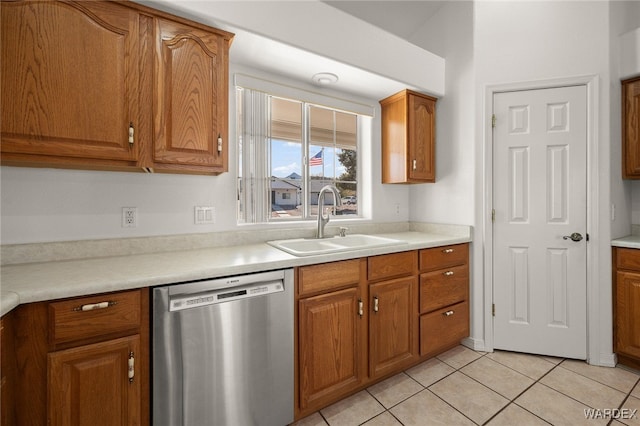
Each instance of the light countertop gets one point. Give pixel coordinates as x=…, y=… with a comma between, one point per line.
x=34, y=282
x=630, y=241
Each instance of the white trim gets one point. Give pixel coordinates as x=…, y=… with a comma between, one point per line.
x=591, y=82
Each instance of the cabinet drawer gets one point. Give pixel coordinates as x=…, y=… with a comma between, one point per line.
x=443, y=328
x=391, y=265
x=443, y=287
x=94, y=316
x=328, y=276
x=628, y=258
x=443, y=257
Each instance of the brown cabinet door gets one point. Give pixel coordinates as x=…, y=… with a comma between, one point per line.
x=190, y=98
x=332, y=350
x=69, y=80
x=627, y=339
x=408, y=138
x=89, y=385
x=631, y=128
x=393, y=336
x=421, y=139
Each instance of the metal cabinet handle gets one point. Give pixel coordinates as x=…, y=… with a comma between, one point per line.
x=448, y=313
x=449, y=250
x=576, y=236
x=93, y=306
x=415, y=164
x=131, y=130
x=219, y=143
x=375, y=304
x=131, y=364
x=448, y=273
x=360, y=308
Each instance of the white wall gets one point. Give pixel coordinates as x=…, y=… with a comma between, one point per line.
x=451, y=199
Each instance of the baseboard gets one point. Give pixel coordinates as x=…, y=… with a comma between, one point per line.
x=475, y=344
x=605, y=360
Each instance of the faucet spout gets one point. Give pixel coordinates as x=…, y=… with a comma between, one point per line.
x=322, y=219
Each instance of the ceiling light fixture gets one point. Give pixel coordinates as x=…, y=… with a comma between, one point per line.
x=324, y=78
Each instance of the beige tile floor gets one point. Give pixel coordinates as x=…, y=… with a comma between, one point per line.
x=464, y=387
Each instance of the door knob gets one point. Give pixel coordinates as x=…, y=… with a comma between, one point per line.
x=576, y=236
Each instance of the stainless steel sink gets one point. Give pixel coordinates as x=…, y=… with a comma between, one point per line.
x=315, y=246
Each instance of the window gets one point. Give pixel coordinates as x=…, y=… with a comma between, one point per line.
x=288, y=150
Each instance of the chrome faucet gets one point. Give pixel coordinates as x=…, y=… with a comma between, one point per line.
x=322, y=220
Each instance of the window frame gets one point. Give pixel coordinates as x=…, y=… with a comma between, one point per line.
x=308, y=100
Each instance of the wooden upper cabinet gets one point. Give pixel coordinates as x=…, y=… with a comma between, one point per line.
x=191, y=98
x=69, y=80
x=631, y=128
x=112, y=85
x=408, y=138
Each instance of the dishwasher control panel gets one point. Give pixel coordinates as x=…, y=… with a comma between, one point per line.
x=179, y=302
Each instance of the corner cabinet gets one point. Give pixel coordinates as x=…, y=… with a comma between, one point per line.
x=408, y=138
x=626, y=306
x=360, y=321
x=112, y=86
x=83, y=360
x=631, y=128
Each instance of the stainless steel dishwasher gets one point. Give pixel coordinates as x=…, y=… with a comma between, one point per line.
x=223, y=351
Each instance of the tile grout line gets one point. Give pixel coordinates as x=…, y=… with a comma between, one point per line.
x=511, y=401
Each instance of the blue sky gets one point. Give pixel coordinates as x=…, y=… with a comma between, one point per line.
x=286, y=158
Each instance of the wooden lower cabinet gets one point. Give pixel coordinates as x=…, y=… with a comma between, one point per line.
x=82, y=361
x=89, y=385
x=444, y=328
x=626, y=306
x=7, y=370
x=393, y=337
x=360, y=321
x=332, y=353
x=444, y=296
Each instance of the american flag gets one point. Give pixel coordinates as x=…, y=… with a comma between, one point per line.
x=316, y=160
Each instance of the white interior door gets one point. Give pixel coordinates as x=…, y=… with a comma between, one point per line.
x=540, y=200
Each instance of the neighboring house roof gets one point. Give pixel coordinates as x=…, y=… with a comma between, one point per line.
x=278, y=183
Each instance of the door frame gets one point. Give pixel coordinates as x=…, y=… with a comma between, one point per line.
x=591, y=82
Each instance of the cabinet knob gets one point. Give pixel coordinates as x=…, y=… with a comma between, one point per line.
x=448, y=273
x=448, y=313
x=449, y=250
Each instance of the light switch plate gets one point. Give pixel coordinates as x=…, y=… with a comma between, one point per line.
x=204, y=215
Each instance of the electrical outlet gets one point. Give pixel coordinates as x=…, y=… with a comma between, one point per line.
x=204, y=215
x=129, y=217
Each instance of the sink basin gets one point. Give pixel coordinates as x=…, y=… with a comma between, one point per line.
x=314, y=246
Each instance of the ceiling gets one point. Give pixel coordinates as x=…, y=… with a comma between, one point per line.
x=399, y=17
x=255, y=51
